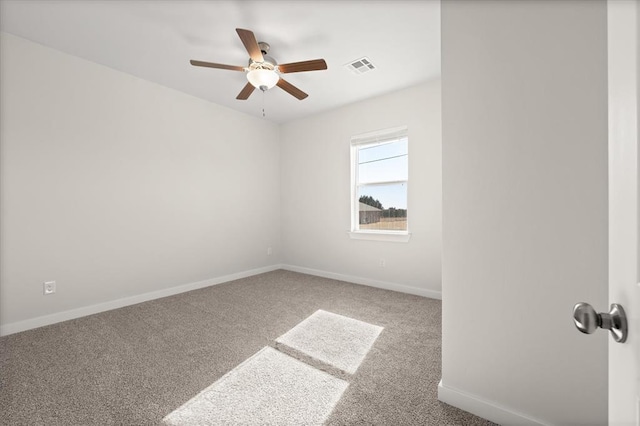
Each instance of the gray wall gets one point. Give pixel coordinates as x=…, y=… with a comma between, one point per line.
x=524, y=95
x=316, y=215
x=122, y=190
x=115, y=187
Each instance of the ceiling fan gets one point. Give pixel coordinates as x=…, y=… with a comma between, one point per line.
x=263, y=72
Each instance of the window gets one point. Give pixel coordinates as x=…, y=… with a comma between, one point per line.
x=380, y=173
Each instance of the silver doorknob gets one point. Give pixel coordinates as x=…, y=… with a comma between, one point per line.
x=588, y=320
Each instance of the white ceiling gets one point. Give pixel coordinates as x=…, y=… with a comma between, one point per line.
x=155, y=40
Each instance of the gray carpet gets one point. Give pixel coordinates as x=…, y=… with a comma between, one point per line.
x=135, y=365
x=335, y=341
x=270, y=388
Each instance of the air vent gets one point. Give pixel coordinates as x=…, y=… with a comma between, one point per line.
x=360, y=66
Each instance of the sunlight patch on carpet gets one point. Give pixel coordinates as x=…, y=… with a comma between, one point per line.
x=332, y=339
x=268, y=388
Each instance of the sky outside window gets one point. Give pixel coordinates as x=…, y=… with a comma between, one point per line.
x=384, y=162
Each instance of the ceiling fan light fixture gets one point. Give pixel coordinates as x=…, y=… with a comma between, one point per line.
x=263, y=72
x=260, y=78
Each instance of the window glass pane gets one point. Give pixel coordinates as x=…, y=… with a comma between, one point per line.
x=383, y=162
x=382, y=207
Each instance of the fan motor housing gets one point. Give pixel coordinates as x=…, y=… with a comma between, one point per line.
x=264, y=47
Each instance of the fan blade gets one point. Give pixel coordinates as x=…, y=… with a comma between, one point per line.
x=291, y=89
x=246, y=92
x=313, y=65
x=212, y=65
x=251, y=44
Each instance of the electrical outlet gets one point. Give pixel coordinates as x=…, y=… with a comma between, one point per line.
x=49, y=287
x=269, y=251
x=382, y=263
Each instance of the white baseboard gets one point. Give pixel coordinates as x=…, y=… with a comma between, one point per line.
x=44, y=320
x=433, y=294
x=483, y=408
x=31, y=323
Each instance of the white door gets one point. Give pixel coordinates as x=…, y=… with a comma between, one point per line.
x=624, y=268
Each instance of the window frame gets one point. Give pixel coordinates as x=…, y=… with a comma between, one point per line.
x=357, y=142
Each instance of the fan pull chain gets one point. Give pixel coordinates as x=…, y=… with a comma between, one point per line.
x=263, y=114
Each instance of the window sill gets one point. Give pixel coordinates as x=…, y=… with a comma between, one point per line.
x=397, y=237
